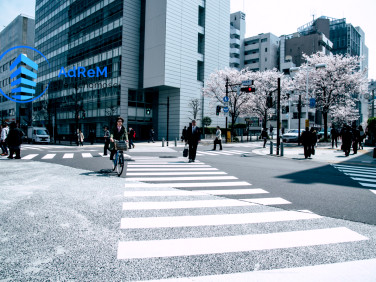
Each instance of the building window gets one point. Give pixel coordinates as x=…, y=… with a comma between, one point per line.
x=266, y=49
x=201, y=43
x=200, y=71
x=264, y=40
x=201, y=16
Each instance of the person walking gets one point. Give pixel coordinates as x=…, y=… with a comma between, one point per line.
x=362, y=135
x=80, y=137
x=151, y=135
x=306, y=141
x=356, y=138
x=131, y=136
x=3, y=137
x=106, y=140
x=14, y=140
x=313, y=140
x=218, y=139
x=118, y=133
x=91, y=136
x=346, y=139
x=264, y=136
x=192, y=138
x=334, y=136
x=184, y=134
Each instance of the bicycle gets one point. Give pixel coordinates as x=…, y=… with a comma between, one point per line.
x=118, y=161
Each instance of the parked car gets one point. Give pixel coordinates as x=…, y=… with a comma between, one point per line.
x=320, y=134
x=292, y=135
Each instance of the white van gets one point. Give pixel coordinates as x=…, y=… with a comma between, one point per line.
x=38, y=134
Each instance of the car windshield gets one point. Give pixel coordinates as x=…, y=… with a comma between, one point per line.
x=42, y=132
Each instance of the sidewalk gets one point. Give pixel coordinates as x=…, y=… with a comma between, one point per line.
x=323, y=153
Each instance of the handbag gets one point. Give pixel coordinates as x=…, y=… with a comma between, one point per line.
x=185, y=151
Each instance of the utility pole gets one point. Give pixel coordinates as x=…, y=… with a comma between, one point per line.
x=299, y=116
x=168, y=115
x=278, y=114
x=226, y=114
x=373, y=102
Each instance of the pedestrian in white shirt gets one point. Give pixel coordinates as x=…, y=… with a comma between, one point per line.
x=218, y=139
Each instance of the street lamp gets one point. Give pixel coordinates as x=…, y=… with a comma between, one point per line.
x=307, y=68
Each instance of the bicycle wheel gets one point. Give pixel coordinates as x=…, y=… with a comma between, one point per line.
x=115, y=161
x=120, y=166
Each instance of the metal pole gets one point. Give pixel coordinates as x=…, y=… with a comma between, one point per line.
x=271, y=147
x=373, y=102
x=281, y=149
x=307, y=97
x=168, y=115
x=226, y=114
x=299, y=114
x=278, y=114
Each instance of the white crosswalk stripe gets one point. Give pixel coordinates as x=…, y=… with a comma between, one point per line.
x=366, y=176
x=155, y=205
x=219, y=152
x=29, y=157
x=48, y=156
x=65, y=156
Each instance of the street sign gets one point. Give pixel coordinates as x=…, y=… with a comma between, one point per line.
x=246, y=82
x=225, y=99
x=225, y=114
x=312, y=102
x=225, y=109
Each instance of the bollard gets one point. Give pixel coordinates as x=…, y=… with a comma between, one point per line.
x=271, y=147
x=241, y=138
x=163, y=142
x=176, y=142
x=281, y=149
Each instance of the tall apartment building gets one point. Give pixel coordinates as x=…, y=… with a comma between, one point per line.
x=237, y=34
x=157, y=53
x=20, y=32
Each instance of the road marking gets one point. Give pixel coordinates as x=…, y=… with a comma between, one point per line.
x=185, y=185
x=373, y=191
x=104, y=156
x=152, y=193
x=188, y=178
x=206, y=153
x=220, y=219
x=357, y=170
x=363, y=179
x=176, y=173
x=30, y=156
x=170, y=166
x=48, y=156
x=354, y=167
x=68, y=156
x=268, y=201
x=362, y=175
x=175, y=169
x=368, y=184
x=184, y=204
x=87, y=155
x=231, y=244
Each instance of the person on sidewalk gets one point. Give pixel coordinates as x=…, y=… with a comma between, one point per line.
x=334, y=136
x=184, y=134
x=264, y=136
x=80, y=137
x=192, y=138
x=151, y=135
x=362, y=136
x=106, y=140
x=218, y=139
x=118, y=133
x=314, y=140
x=131, y=136
x=346, y=139
x=306, y=141
x=4, y=135
x=14, y=140
x=356, y=138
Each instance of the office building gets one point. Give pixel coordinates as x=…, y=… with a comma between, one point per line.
x=157, y=54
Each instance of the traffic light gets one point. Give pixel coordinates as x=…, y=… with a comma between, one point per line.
x=148, y=111
x=248, y=89
x=83, y=114
x=218, y=110
x=269, y=101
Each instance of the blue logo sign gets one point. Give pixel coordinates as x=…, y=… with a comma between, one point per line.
x=225, y=99
x=225, y=109
x=312, y=102
x=23, y=76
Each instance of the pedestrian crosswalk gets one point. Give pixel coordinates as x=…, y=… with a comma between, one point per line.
x=219, y=219
x=365, y=175
x=220, y=153
x=65, y=156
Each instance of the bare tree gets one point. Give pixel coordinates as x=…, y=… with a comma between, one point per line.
x=195, y=105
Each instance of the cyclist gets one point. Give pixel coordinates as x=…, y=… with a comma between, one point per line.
x=118, y=133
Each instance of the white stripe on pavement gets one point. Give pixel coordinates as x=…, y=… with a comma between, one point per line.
x=185, y=185
x=362, y=175
x=360, y=270
x=354, y=167
x=206, y=153
x=231, y=244
x=268, y=201
x=363, y=179
x=176, y=173
x=224, y=153
x=175, y=169
x=184, y=204
x=30, y=156
x=48, y=156
x=188, y=178
x=152, y=193
x=220, y=219
x=68, y=156
x=86, y=155
x=171, y=166
x=357, y=170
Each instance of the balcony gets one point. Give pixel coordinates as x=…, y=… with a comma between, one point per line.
x=234, y=31
x=234, y=51
x=234, y=41
x=235, y=61
x=252, y=56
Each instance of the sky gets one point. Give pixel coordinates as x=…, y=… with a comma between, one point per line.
x=284, y=17
x=275, y=16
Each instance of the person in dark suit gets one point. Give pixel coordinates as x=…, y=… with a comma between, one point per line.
x=118, y=133
x=193, y=137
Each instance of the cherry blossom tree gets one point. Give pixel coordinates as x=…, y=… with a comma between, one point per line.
x=334, y=86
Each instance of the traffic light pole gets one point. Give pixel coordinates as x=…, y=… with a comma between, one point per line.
x=226, y=114
x=299, y=116
x=278, y=114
